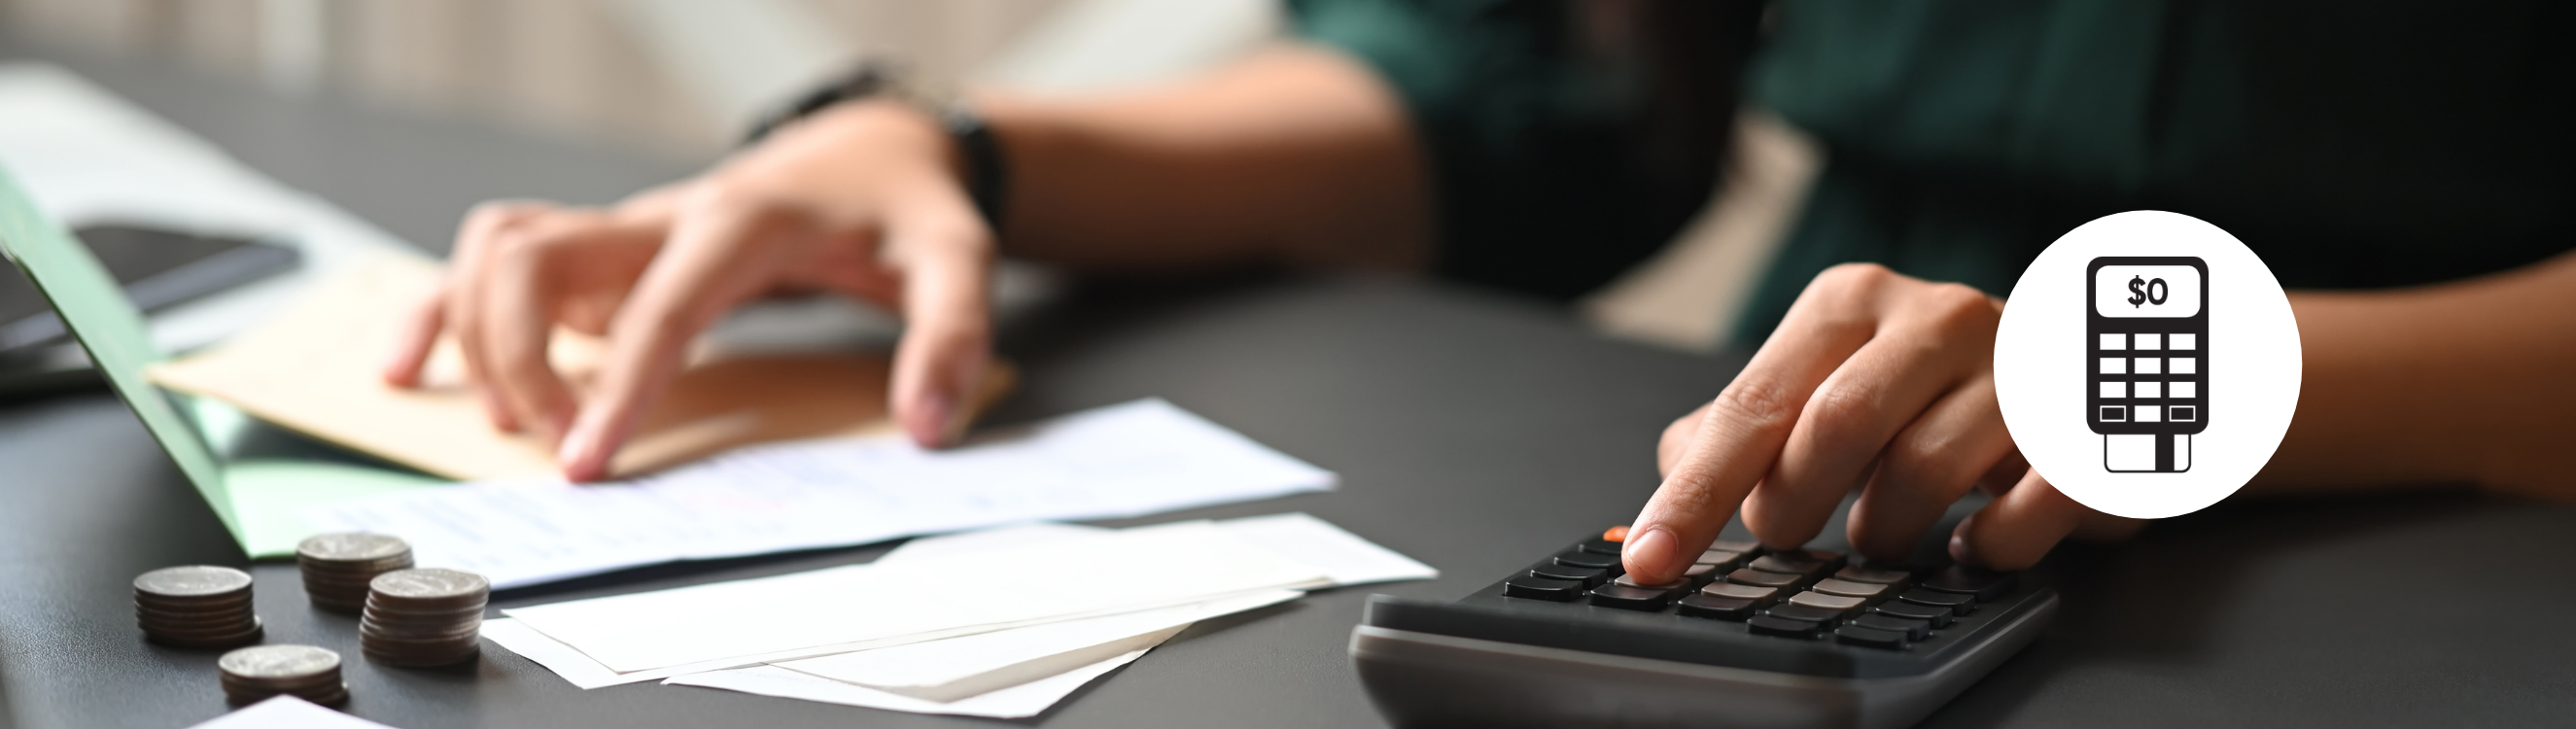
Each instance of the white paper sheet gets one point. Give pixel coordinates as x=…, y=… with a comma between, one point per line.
x=1345, y=558
x=955, y=668
x=997, y=538
x=586, y=673
x=1180, y=563
x=1117, y=461
x=288, y=712
x=1024, y=700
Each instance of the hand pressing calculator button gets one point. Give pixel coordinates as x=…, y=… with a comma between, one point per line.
x=1574, y=642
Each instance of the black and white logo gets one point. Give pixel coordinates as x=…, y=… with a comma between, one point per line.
x=2147, y=364
x=2148, y=327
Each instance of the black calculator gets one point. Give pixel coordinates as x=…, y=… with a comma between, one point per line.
x=1748, y=637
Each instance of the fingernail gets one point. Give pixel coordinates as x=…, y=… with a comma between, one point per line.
x=929, y=422
x=955, y=421
x=1650, y=554
x=1960, y=552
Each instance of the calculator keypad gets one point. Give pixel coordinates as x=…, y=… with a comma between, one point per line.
x=1802, y=594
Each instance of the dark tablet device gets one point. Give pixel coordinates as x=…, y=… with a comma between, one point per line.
x=158, y=268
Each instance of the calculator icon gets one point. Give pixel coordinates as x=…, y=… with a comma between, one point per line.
x=2147, y=342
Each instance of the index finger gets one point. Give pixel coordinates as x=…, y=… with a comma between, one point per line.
x=694, y=278
x=1743, y=432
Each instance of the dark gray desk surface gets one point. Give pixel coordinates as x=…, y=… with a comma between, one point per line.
x=1474, y=433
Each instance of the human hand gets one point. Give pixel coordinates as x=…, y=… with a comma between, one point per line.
x=1873, y=380
x=862, y=199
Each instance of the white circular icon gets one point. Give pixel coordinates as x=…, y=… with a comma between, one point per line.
x=2147, y=364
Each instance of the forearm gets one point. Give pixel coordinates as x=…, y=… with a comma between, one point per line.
x=1295, y=154
x=2466, y=382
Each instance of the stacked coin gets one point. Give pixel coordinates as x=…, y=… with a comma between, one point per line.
x=423, y=617
x=256, y=673
x=196, y=607
x=338, y=567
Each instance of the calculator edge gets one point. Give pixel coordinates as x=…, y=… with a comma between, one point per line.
x=1421, y=679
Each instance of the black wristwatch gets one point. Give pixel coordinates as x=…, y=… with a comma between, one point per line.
x=987, y=173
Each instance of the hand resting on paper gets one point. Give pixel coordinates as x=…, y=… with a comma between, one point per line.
x=864, y=201
x=1293, y=155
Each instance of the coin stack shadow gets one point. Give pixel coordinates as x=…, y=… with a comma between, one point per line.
x=423, y=617
x=338, y=567
x=196, y=607
x=254, y=674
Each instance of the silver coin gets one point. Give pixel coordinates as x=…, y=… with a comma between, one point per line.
x=352, y=547
x=192, y=581
x=283, y=661
x=432, y=583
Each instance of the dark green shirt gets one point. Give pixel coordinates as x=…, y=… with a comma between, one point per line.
x=2351, y=144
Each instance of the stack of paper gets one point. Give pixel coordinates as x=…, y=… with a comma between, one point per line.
x=1000, y=623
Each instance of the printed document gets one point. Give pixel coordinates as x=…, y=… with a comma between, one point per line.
x=1125, y=460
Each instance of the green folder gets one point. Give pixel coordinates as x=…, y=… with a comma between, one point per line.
x=255, y=493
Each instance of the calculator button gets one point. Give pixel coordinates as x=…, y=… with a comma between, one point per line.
x=2149, y=413
x=1831, y=558
x=1725, y=560
x=1580, y=558
x=1631, y=598
x=1957, y=603
x=2149, y=390
x=2115, y=365
x=1847, y=588
x=1731, y=590
x=2151, y=341
x=2150, y=365
x=1786, y=566
x=1870, y=637
x=1874, y=576
x=1807, y=613
x=1760, y=578
x=1745, y=546
x=2186, y=366
x=2185, y=389
x=2184, y=413
x=1841, y=606
x=1631, y=581
x=1722, y=608
x=1913, y=629
x=1541, y=588
x=2115, y=341
x=1699, y=574
x=2186, y=341
x=1589, y=576
x=2114, y=413
x=1985, y=585
x=1599, y=546
x=1786, y=627
x=2115, y=390
x=1938, y=616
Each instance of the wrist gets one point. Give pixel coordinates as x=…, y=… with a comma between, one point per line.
x=971, y=151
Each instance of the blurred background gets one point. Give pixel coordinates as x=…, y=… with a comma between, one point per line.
x=675, y=78
x=678, y=80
